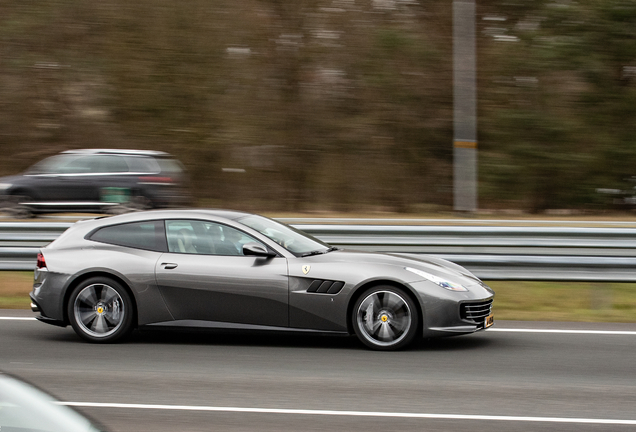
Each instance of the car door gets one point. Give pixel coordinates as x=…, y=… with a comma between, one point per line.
x=112, y=181
x=205, y=276
x=54, y=179
x=70, y=180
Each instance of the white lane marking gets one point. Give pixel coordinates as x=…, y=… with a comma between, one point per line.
x=601, y=332
x=18, y=318
x=350, y=413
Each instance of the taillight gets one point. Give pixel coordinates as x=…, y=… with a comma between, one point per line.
x=41, y=263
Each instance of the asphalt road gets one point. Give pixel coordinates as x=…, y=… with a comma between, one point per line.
x=524, y=381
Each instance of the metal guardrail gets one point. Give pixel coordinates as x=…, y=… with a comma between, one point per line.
x=20, y=241
x=491, y=252
x=503, y=253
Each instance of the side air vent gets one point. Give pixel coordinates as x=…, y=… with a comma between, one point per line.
x=325, y=287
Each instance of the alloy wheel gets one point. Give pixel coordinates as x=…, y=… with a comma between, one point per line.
x=99, y=310
x=384, y=318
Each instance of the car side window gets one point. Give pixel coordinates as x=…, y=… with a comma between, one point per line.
x=111, y=164
x=205, y=238
x=170, y=166
x=147, y=235
x=79, y=165
x=142, y=164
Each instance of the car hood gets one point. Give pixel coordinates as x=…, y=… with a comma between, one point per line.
x=10, y=179
x=437, y=266
x=7, y=182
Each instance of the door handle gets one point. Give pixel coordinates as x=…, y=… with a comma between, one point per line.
x=169, y=266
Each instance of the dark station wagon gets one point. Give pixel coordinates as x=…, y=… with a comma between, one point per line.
x=96, y=180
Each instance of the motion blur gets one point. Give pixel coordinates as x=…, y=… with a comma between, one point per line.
x=328, y=104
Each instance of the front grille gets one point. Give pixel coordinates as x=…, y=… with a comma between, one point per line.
x=475, y=312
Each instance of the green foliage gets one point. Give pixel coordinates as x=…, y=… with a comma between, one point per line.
x=559, y=103
x=327, y=103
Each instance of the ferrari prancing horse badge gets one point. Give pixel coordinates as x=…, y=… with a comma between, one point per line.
x=306, y=269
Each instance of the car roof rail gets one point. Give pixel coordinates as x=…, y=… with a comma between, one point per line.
x=117, y=151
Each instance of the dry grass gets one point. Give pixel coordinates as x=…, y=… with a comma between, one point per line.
x=565, y=301
x=14, y=289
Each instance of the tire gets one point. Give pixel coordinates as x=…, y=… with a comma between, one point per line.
x=385, y=318
x=13, y=206
x=100, y=310
x=135, y=204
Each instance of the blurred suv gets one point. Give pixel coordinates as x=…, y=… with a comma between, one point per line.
x=96, y=180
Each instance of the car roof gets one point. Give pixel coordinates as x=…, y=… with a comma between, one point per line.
x=118, y=151
x=173, y=214
x=82, y=227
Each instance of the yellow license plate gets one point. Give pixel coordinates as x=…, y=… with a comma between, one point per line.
x=490, y=320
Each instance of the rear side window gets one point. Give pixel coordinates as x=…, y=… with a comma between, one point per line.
x=171, y=166
x=111, y=164
x=142, y=164
x=80, y=165
x=148, y=235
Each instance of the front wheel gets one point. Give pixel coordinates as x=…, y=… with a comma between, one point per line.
x=385, y=318
x=100, y=310
x=16, y=206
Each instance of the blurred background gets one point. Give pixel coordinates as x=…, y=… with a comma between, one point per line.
x=328, y=105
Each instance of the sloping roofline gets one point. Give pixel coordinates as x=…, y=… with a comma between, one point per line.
x=83, y=227
x=173, y=214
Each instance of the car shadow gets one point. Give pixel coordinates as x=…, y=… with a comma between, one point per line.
x=229, y=337
x=282, y=339
x=454, y=343
x=226, y=337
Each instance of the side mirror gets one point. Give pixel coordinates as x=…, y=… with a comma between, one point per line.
x=255, y=249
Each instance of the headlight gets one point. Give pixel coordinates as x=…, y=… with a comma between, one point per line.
x=5, y=186
x=438, y=280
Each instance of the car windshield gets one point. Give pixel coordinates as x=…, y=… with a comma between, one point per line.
x=50, y=165
x=295, y=241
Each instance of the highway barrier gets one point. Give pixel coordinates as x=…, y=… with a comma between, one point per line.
x=564, y=253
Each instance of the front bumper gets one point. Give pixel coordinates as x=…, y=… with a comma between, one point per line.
x=442, y=309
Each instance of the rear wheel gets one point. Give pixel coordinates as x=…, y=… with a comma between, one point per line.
x=100, y=310
x=385, y=318
x=134, y=204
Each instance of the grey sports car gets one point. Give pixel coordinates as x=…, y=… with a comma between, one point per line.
x=219, y=268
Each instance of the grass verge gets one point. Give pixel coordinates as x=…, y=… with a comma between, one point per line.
x=14, y=289
x=564, y=301
x=529, y=301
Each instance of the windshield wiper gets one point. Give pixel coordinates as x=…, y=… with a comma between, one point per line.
x=319, y=252
x=316, y=252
